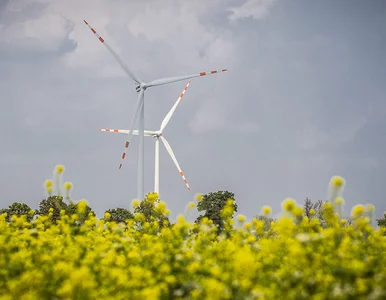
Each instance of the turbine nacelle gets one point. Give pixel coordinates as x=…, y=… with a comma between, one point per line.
x=140, y=87
x=156, y=134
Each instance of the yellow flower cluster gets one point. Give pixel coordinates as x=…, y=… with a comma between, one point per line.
x=50, y=187
x=266, y=210
x=292, y=257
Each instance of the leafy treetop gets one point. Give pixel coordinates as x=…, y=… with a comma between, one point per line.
x=213, y=203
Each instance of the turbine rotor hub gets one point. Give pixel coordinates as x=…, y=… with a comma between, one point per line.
x=140, y=87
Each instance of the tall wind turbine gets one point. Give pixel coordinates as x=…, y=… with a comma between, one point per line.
x=159, y=135
x=141, y=87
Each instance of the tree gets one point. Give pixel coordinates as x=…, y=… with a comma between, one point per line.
x=267, y=221
x=119, y=215
x=213, y=204
x=56, y=203
x=382, y=222
x=72, y=209
x=313, y=209
x=18, y=209
x=147, y=207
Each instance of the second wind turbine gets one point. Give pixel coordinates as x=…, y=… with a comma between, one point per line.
x=159, y=135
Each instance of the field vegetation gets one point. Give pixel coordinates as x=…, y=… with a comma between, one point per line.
x=63, y=251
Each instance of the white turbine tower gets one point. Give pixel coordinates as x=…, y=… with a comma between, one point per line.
x=159, y=135
x=141, y=86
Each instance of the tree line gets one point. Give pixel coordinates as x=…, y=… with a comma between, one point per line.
x=210, y=205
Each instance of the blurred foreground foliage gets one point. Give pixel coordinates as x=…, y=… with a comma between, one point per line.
x=63, y=251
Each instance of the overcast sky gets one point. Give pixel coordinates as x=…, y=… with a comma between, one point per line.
x=304, y=99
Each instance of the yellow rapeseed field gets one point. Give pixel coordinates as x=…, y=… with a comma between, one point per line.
x=293, y=257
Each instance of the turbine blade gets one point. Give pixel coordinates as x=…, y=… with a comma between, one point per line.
x=170, y=113
x=122, y=131
x=125, y=131
x=138, y=108
x=170, y=151
x=179, y=78
x=119, y=60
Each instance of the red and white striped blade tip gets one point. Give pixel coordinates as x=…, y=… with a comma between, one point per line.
x=212, y=72
x=124, y=154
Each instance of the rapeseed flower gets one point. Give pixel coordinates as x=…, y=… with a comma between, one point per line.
x=189, y=208
x=298, y=211
x=59, y=169
x=338, y=205
x=181, y=220
x=139, y=217
x=191, y=205
x=67, y=189
x=289, y=205
x=50, y=189
x=357, y=210
x=135, y=203
x=370, y=207
x=241, y=218
x=337, y=182
x=198, y=197
x=339, y=201
x=335, y=187
x=266, y=210
x=161, y=207
x=48, y=183
x=82, y=206
x=152, y=197
x=58, y=176
x=248, y=225
x=67, y=185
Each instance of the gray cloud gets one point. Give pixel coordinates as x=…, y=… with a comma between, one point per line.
x=303, y=99
x=257, y=9
x=30, y=33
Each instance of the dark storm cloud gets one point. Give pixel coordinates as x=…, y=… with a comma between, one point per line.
x=3, y=5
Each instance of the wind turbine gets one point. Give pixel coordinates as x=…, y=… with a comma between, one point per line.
x=158, y=134
x=141, y=87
